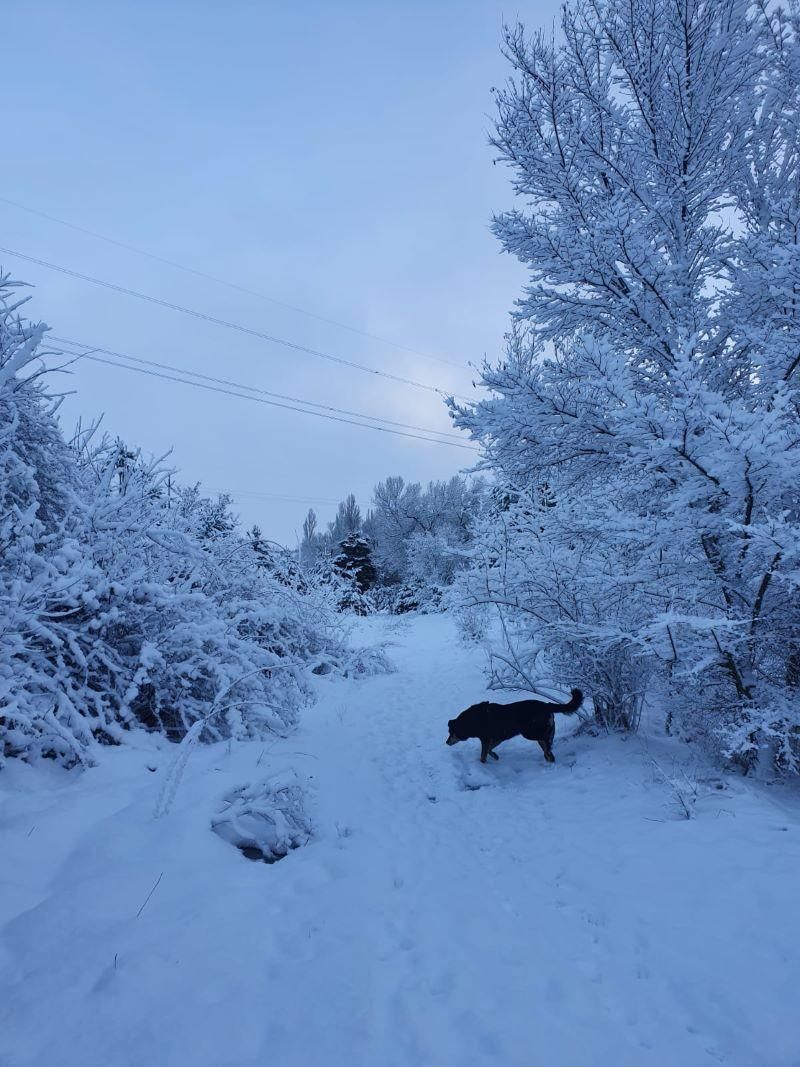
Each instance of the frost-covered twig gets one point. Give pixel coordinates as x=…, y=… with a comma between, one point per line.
x=685, y=790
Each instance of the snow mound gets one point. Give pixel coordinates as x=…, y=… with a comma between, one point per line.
x=361, y=662
x=265, y=820
x=368, y=661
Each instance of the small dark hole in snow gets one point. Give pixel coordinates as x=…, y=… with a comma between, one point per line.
x=432, y=799
x=257, y=856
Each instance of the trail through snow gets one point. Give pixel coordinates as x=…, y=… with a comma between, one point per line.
x=445, y=913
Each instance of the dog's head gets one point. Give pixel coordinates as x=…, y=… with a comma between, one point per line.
x=454, y=732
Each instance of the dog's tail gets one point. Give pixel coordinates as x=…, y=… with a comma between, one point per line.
x=572, y=704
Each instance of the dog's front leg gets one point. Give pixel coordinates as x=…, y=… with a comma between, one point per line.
x=484, y=751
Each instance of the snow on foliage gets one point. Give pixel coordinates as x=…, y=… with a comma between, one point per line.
x=562, y=607
x=265, y=820
x=125, y=600
x=354, y=564
x=418, y=539
x=645, y=419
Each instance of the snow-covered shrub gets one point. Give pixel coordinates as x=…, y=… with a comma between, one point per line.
x=553, y=611
x=382, y=598
x=683, y=787
x=472, y=619
x=354, y=661
x=365, y=662
x=416, y=595
x=265, y=820
x=43, y=582
x=124, y=600
x=405, y=598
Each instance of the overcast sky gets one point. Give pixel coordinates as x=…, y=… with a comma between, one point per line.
x=331, y=156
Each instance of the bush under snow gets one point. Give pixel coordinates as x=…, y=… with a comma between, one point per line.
x=125, y=601
x=265, y=820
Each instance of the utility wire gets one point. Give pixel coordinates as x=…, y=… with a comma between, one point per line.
x=228, y=324
x=91, y=349
x=228, y=283
x=270, y=403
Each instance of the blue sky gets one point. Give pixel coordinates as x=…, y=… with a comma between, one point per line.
x=331, y=156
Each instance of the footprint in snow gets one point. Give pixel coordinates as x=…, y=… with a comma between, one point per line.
x=472, y=780
x=472, y=786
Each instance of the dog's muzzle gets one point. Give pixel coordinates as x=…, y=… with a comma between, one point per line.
x=452, y=740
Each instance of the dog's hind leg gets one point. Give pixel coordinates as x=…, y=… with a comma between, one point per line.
x=493, y=754
x=548, y=752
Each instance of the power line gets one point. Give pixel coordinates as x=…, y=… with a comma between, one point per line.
x=226, y=323
x=249, y=388
x=271, y=403
x=249, y=496
x=227, y=282
x=274, y=403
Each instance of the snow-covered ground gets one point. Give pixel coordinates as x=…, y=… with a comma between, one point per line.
x=444, y=913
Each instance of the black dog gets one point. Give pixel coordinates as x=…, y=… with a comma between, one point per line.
x=495, y=723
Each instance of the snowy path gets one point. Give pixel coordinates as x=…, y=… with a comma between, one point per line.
x=445, y=914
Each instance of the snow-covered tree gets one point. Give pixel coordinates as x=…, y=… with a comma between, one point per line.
x=308, y=546
x=310, y=525
x=419, y=533
x=348, y=519
x=649, y=387
x=354, y=563
x=317, y=549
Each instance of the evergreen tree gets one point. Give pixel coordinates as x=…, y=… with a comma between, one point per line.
x=354, y=561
